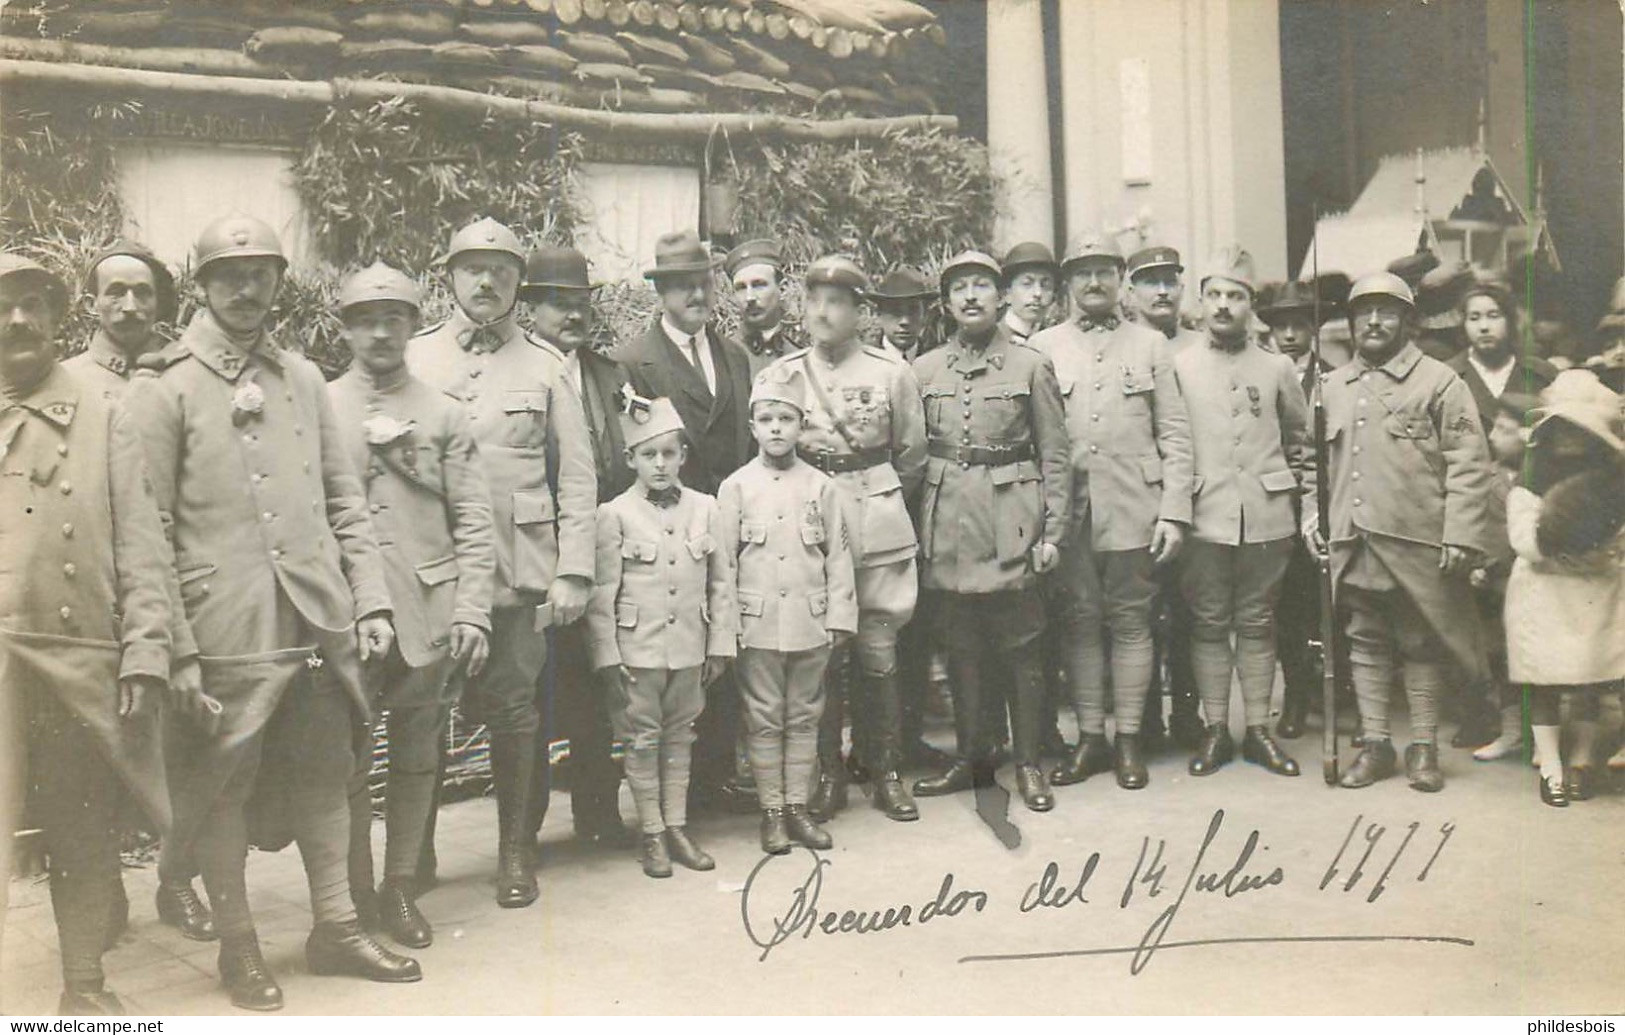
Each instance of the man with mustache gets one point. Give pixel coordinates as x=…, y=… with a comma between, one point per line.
x=684, y=358
x=863, y=426
x=756, y=271
x=1156, y=287
x=1410, y=483
x=85, y=646
x=131, y=293
x=992, y=518
x=557, y=295
x=284, y=594
x=1131, y=480
x=1250, y=437
x=535, y=452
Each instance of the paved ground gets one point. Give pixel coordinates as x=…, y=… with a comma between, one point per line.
x=1535, y=891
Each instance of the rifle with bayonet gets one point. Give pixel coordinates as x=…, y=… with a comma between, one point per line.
x=1323, y=492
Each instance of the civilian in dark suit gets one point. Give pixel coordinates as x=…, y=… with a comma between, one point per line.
x=558, y=298
x=707, y=377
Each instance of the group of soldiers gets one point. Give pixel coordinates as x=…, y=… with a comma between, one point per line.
x=216, y=568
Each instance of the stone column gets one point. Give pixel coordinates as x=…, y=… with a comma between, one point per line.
x=1018, y=122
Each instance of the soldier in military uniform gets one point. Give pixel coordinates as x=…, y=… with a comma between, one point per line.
x=1410, y=481
x=285, y=597
x=1131, y=505
x=85, y=645
x=534, y=451
x=557, y=294
x=431, y=511
x=755, y=269
x=1156, y=289
x=131, y=293
x=1250, y=433
x=992, y=519
x=864, y=427
x=1031, y=278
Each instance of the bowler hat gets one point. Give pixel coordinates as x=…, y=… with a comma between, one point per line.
x=1291, y=297
x=901, y=284
x=1153, y=257
x=556, y=267
x=680, y=252
x=1029, y=255
x=760, y=251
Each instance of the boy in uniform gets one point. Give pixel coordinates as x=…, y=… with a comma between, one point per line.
x=431, y=512
x=661, y=625
x=782, y=520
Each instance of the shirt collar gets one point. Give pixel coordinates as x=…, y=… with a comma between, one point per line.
x=465, y=328
x=1016, y=325
x=206, y=340
x=970, y=360
x=1398, y=367
x=676, y=334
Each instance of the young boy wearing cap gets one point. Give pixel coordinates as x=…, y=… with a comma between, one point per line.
x=661, y=625
x=1131, y=476
x=1410, y=484
x=992, y=517
x=431, y=512
x=783, y=522
x=866, y=429
x=1250, y=438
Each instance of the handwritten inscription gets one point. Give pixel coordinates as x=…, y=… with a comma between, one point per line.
x=783, y=901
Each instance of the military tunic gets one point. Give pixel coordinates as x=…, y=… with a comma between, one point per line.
x=766, y=349
x=103, y=365
x=534, y=450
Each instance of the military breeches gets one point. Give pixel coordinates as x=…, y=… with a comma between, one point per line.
x=989, y=635
x=1234, y=589
x=72, y=794
x=571, y=708
x=656, y=724
x=1100, y=595
x=503, y=697
x=783, y=697
x=1390, y=639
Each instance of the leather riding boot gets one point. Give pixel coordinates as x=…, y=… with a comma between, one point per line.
x=829, y=795
x=1376, y=761
x=1217, y=750
x=1422, y=767
x=1130, y=765
x=513, y=756
x=398, y=915
x=180, y=907
x=803, y=831
x=428, y=867
x=245, y=976
x=1092, y=755
x=892, y=798
x=652, y=855
x=1259, y=748
x=1294, y=711
x=775, y=838
x=89, y=1002
x=684, y=850
x=345, y=950
x=957, y=777
x=1034, y=789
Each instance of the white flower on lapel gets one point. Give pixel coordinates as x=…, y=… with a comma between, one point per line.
x=383, y=430
x=248, y=402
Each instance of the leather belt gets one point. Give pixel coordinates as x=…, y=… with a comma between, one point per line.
x=840, y=463
x=979, y=456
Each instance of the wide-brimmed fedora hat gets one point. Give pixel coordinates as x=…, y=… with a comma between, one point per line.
x=902, y=284
x=557, y=268
x=1293, y=297
x=680, y=252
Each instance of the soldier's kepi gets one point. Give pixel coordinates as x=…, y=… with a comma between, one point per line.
x=535, y=454
x=865, y=427
x=84, y=643
x=431, y=511
x=992, y=518
x=285, y=596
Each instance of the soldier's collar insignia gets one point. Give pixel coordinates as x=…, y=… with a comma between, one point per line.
x=59, y=413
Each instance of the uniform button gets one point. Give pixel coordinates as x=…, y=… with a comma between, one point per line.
x=670, y=532
x=1355, y=476
x=268, y=516
x=672, y=561
x=66, y=488
x=1094, y=417
x=672, y=590
x=964, y=465
x=784, y=592
x=781, y=556
x=1356, y=450
x=1358, y=501
x=67, y=530
x=277, y=552
x=671, y=619
x=376, y=507
x=1100, y=357
x=256, y=479
x=1094, y=449
x=61, y=449
x=1360, y=423
x=1098, y=386
x=66, y=612
x=298, y=429
x=1360, y=401
x=69, y=570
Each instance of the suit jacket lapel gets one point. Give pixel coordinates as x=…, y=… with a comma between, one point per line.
x=724, y=392
x=684, y=377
